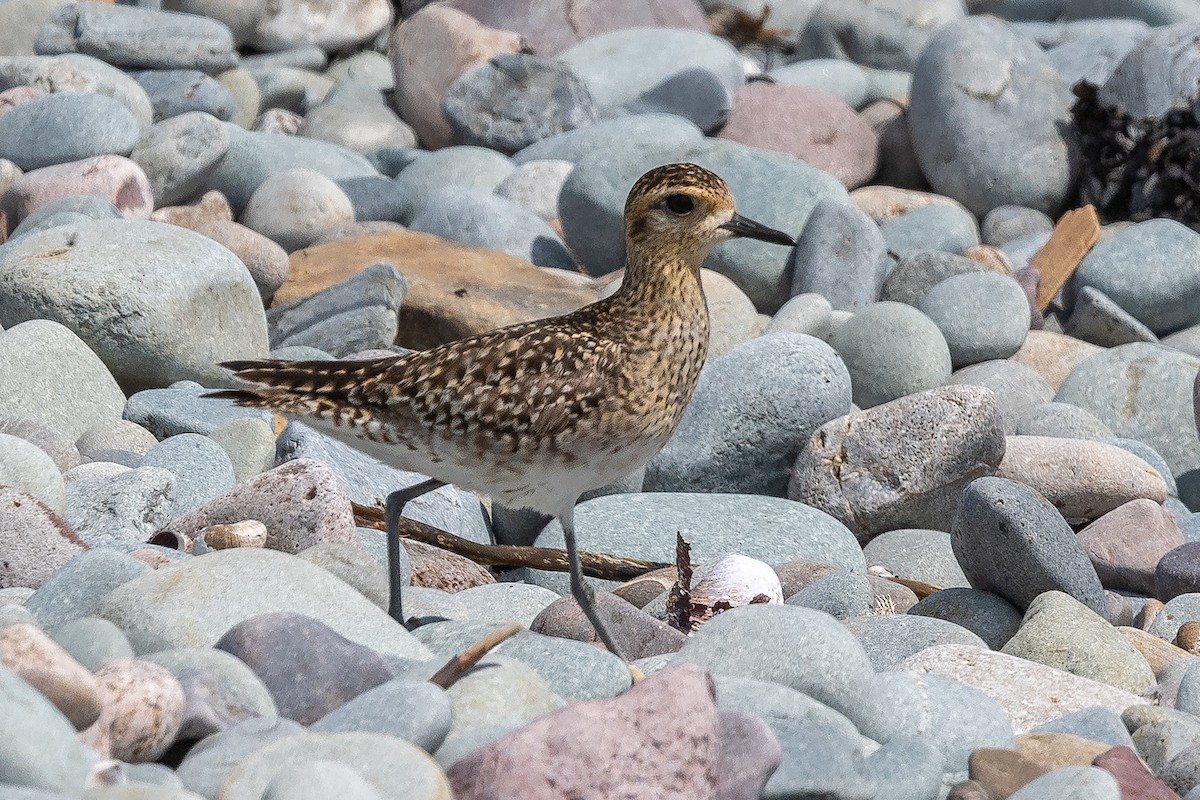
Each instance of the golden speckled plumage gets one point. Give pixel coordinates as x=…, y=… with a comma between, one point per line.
x=537, y=413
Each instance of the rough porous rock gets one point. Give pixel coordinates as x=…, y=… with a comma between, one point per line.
x=143, y=707
x=607, y=747
x=34, y=541
x=903, y=463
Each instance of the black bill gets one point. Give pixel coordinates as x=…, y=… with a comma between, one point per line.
x=749, y=229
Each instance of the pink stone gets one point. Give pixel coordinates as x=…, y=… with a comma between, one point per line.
x=11, y=98
x=658, y=741
x=428, y=51
x=115, y=178
x=551, y=26
x=807, y=123
x=1126, y=544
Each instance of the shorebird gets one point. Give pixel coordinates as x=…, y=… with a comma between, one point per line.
x=536, y=414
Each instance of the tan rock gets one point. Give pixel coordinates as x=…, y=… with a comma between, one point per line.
x=1001, y=772
x=1054, y=355
x=882, y=203
x=991, y=257
x=212, y=206
x=435, y=568
x=429, y=50
x=1159, y=654
x=1030, y=693
x=146, y=702
x=731, y=313
x=266, y=261
x=1084, y=479
x=454, y=291
x=1188, y=637
x=43, y=664
x=1054, y=750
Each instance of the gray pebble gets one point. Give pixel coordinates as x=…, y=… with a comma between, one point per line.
x=91, y=641
x=842, y=595
x=178, y=154
x=937, y=226
x=66, y=126
x=891, y=638
x=1063, y=420
x=1017, y=388
x=202, y=469
x=920, y=270
x=698, y=95
x=891, y=350
x=179, y=91
x=75, y=591
x=127, y=506
x=358, y=313
x=917, y=554
x=983, y=316
x=840, y=254
x=1004, y=223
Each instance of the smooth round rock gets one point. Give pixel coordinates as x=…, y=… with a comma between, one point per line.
x=1073, y=781
x=985, y=98
x=174, y=92
x=296, y=207
x=917, y=554
x=157, y=274
x=76, y=589
x=841, y=595
x=27, y=468
x=1148, y=269
x=1018, y=388
x=891, y=350
x=988, y=616
x=202, y=469
x=918, y=271
x=840, y=255
x=66, y=126
x=752, y=410
x=516, y=99
x=92, y=641
x=982, y=315
x=416, y=711
x=38, y=748
x=1011, y=541
x=460, y=166
x=1063, y=420
x=698, y=95
x=178, y=154
x=1004, y=223
x=536, y=184
x=145, y=704
x=634, y=131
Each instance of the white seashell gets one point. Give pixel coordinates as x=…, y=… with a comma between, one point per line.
x=735, y=580
x=247, y=533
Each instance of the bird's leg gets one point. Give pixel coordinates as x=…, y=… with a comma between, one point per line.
x=393, y=509
x=581, y=590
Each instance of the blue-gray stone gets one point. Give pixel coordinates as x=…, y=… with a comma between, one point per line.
x=126, y=36
x=72, y=207
x=619, y=66
x=516, y=99
x=66, y=126
x=917, y=554
x=76, y=589
x=179, y=153
x=1144, y=391
x=1093, y=58
x=416, y=711
x=38, y=748
x=752, y=411
x=83, y=71
x=477, y=217
x=1152, y=457
x=953, y=717
x=839, y=77
x=369, y=482
x=1071, y=783
x=462, y=166
x=799, y=648
x=644, y=525
x=772, y=188
x=1158, y=74
x=891, y=638
x=771, y=699
x=123, y=507
x=1150, y=270
x=633, y=132
x=182, y=408
x=355, y=115
x=177, y=91
x=698, y=95
x=1024, y=248
x=1011, y=541
x=1003, y=224
x=983, y=316
x=1097, y=723
x=809, y=314
x=209, y=763
x=201, y=468
x=891, y=350
x=220, y=689
x=920, y=270
x=889, y=36
x=359, y=313
x=817, y=761
x=910, y=767
x=937, y=226
x=374, y=197
x=1065, y=421
x=984, y=98
x=840, y=254
x=91, y=641
x=1018, y=389
x=841, y=595
x=253, y=157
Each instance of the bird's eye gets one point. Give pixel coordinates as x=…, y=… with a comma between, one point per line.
x=680, y=203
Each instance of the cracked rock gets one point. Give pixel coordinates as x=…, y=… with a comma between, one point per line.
x=902, y=464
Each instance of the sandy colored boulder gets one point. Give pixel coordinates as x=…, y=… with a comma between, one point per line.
x=146, y=702
x=1084, y=479
x=453, y=290
x=1053, y=355
x=882, y=203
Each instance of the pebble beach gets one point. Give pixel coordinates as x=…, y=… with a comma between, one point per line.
x=940, y=477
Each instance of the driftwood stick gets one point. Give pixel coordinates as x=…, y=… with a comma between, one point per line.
x=552, y=559
x=457, y=666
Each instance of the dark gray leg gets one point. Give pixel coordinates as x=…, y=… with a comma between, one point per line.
x=393, y=510
x=581, y=590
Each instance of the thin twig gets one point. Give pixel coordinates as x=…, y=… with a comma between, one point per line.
x=552, y=559
x=458, y=665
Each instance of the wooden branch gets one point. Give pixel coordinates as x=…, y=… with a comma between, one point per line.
x=457, y=666
x=552, y=559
